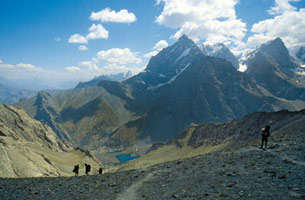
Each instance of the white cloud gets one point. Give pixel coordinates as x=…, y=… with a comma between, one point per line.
x=205, y=19
x=77, y=38
x=89, y=65
x=150, y=54
x=160, y=45
x=119, y=56
x=29, y=67
x=1, y=61
x=282, y=6
x=97, y=32
x=157, y=48
x=108, y=15
x=57, y=39
x=72, y=69
x=289, y=26
x=28, y=76
x=83, y=48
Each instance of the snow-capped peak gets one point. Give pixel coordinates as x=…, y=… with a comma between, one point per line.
x=219, y=50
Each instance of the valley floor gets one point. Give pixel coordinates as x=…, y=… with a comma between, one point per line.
x=241, y=173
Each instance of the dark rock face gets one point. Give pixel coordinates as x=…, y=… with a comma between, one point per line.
x=273, y=68
x=301, y=54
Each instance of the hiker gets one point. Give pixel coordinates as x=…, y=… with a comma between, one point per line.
x=75, y=170
x=87, y=168
x=265, y=134
x=100, y=171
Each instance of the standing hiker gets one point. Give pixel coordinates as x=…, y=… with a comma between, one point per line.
x=265, y=134
x=75, y=170
x=87, y=168
x=100, y=170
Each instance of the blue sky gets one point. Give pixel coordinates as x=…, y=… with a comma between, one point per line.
x=57, y=43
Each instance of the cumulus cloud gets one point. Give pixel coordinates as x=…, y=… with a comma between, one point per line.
x=289, y=26
x=160, y=45
x=29, y=76
x=108, y=15
x=119, y=56
x=72, y=69
x=83, y=48
x=150, y=54
x=94, y=32
x=77, y=38
x=157, y=48
x=214, y=21
x=282, y=6
x=97, y=32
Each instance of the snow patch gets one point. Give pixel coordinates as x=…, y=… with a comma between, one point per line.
x=162, y=75
x=185, y=53
x=170, y=81
x=242, y=67
x=302, y=73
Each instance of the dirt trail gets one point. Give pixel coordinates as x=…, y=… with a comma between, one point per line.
x=131, y=192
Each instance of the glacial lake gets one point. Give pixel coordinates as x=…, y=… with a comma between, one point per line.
x=126, y=157
x=116, y=151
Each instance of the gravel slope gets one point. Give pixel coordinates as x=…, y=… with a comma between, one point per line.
x=241, y=173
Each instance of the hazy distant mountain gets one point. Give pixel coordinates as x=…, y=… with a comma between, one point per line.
x=220, y=51
x=29, y=148
x=9, y=95
x=301, y=54
x=180, y=86
x=111, y=77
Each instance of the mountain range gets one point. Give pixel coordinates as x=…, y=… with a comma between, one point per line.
x=181, y=85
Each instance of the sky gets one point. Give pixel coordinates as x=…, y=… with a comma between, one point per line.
x=54, y=44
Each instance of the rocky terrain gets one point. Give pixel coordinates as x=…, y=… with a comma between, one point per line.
x=29, y=148
x=240, y=171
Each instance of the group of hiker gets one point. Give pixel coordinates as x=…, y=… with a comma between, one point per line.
x=87, y=169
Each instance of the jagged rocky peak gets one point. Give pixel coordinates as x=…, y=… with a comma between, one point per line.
x=185, y=41
x=183, y=44
x=276, y=50
x=219, y=50
x=301, y=54
x=174, y=58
